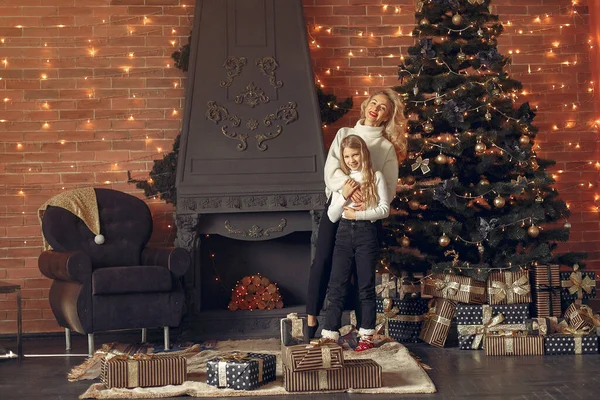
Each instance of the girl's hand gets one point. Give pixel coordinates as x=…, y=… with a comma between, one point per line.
x=357, y=196
x=349, y=187
x=349, y=213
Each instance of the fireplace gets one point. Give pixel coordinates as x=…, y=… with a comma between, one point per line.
x=250, y=170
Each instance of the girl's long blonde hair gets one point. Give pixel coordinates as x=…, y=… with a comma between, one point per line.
x=394, y=129
x=368, y=187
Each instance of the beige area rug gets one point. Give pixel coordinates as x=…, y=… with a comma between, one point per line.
x=401, y=373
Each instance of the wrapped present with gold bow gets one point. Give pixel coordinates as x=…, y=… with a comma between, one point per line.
x=508, y=287
x=356, y=374
x=542, y=326
x=403, y=322
x=459, y=288
x=315, y=355
x=405, y=307
x=470, y=336
x=513, y=344
x=386, y=285
x=241, y=371
x=580, y=317
x=142, y=370
x=437, y=321
x=409, y=287
x=571, y=341
x=473, y=314
x=577, y=286
x=545, y=280
x=294, y=330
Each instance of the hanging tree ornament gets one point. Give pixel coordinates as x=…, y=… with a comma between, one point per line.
x=488, y=116
x=567, y=225
x=421, y=163
x=524, y=140
x=480, y=147
x=457, y=19
x=484, y=182
x=416, y=90
x=499, y=202
x=413, y=205
x=534, y=164
x=409, y=180
x=480, y=32
x=480, y=248
x=444, y=240
x=424, y=22
x=461, y=56
x=441, y=158
x=404, y=241
x=420, y=5
x=533, y=231
x=428, y=127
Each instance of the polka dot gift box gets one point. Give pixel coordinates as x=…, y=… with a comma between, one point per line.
x=241, y=371
x=569, y=344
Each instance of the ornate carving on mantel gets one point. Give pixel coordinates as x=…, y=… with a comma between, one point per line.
x=234, y=67
x=217, y=113
x=187, y=230
x=268, y=65
x=252, y=96
x=252, y=124
x=286, y=113
x=255, y=231
x=277, y=202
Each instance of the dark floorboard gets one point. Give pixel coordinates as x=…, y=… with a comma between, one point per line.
x=457, y=374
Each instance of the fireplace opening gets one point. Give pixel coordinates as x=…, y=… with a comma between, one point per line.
x=225, y=261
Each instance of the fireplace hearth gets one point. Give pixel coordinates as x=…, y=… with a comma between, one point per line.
x=250, y=171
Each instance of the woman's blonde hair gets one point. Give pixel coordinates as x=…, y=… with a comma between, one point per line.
x=368, y=187
x=394, y=128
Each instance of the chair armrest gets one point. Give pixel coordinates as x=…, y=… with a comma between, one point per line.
x=72, y=266
x=176, y=259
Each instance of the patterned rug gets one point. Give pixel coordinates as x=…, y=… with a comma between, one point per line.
x=401, y=373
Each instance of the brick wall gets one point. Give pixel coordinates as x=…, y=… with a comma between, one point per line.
x=133, y=100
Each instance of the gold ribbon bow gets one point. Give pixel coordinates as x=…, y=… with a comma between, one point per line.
x=577, y=283
x=503, y=290
x=474, y=2
x=481, y=330
x=386, y=285
x=421, y=163
x=447, y=287
x=297, y=324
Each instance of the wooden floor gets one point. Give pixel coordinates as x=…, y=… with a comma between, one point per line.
x=458, y=374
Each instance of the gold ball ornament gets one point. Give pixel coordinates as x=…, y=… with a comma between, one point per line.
x=404, y=241
x=495, y=93
x=484, y=182
x=424, y=22
x=410, y=180
x=533, y=231
x=480, y=249
x=444, y=240
x=428, y=127
x=480, y=147
x=413, y=205
x=524, y=140
x=488, y=116
x=499, y=202
x=441, y=159
x=567, y=225
x=461, y=56
x=457, y=19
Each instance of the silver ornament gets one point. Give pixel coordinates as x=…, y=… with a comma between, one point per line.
x=567, y=225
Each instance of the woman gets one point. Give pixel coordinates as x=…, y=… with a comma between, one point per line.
x=381, y=127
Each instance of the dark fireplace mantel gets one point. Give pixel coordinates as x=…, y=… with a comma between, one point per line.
x=250, y=168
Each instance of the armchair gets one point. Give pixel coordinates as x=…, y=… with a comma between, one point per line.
x=115, y=285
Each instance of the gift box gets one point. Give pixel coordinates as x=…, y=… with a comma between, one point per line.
x=402, y=307
x=410, y=287
x=579, y=317
x=470, y=335
x=472, y=314
x=508, y=287
x=294, y=330
x=313, y=356
x=560, y=344
x=542, y=326
x=404, y=331
x=577, y=286
x=356, y=374
x=437, y=322
x=545, y=281
x=118, y=371
x=514, y=345
x=459, y=288
x=241, y=371
x=386, y=285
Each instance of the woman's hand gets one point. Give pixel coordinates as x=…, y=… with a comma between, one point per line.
x=349, y=213
x=349, y=188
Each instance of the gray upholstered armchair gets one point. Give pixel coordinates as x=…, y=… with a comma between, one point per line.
x=119, y=284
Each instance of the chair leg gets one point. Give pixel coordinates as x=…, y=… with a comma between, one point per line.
x=144, y=335
x=90, y=344
x=68, y=339
x=167, y=338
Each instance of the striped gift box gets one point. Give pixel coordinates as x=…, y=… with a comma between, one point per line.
x=437, y=322
x=515, y=345
x=459, y=288
x=356, y=374
x=545, y=281
x=310, y=357
x=128, y=372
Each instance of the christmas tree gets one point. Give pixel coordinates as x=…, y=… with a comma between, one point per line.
x=475, y=195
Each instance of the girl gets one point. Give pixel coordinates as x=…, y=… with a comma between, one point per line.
x=381, y=127
x=356, y=239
